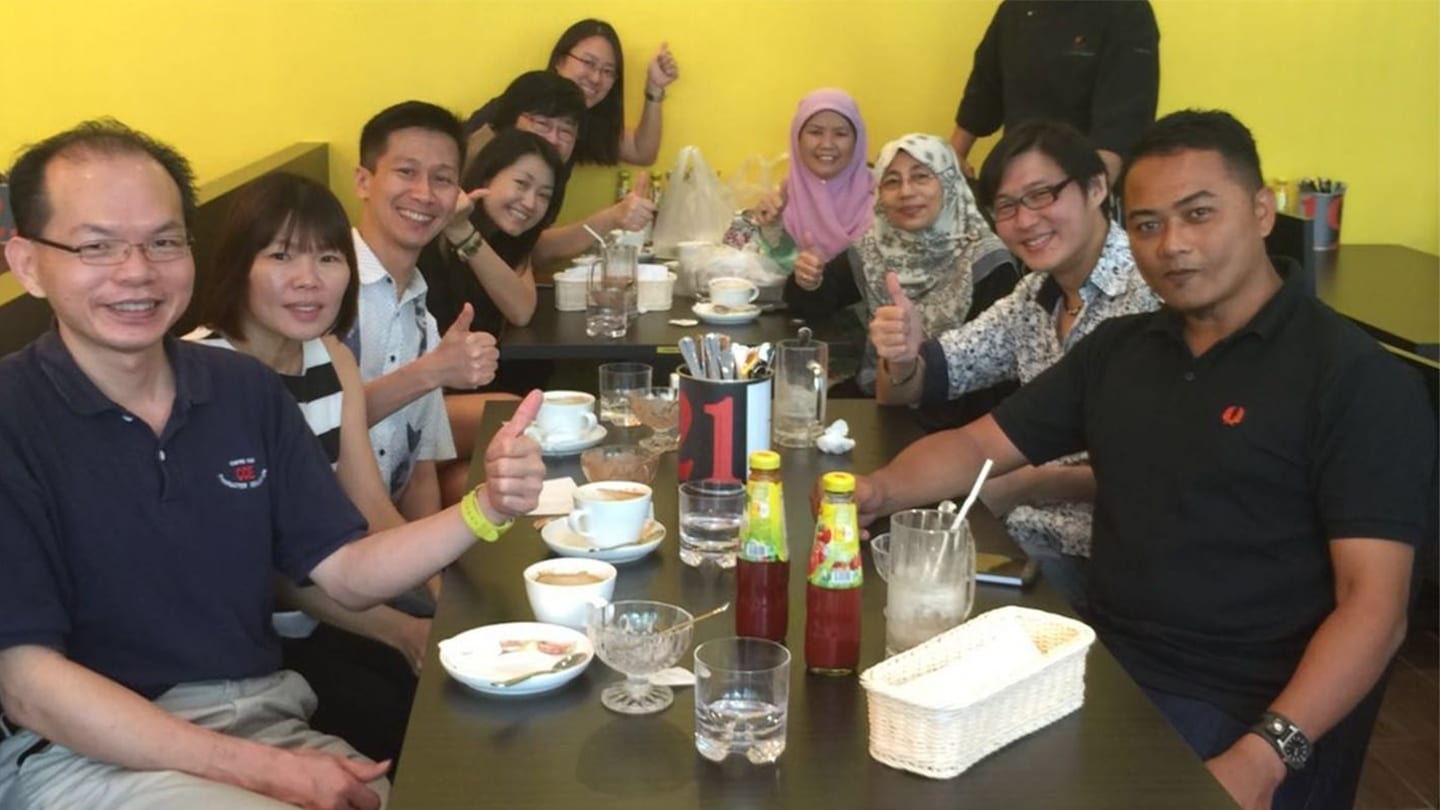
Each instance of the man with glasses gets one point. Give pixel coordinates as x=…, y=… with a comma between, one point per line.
x=150, y=490
x=1046, y=190
x=1263, y=472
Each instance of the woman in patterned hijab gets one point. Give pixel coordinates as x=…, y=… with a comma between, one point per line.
x=929, y=232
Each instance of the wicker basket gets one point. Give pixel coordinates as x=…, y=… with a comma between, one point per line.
x=570, y=292
x=940, y=734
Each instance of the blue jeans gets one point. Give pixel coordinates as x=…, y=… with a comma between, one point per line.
x=1328, y=781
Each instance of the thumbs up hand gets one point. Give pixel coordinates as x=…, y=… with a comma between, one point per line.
x=458, y=229
x=896, y=330
x=465, y=359
x=809, y=267
x=514, y=470
x=637, y=209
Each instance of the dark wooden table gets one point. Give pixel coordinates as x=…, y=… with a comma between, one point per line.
x=1391, y=291
x=554, y=335
x=565, y=750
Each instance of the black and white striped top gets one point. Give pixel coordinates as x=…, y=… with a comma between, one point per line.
x=316, y=389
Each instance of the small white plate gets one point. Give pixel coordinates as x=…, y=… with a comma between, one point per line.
x=476, y=658
x=709, y=313
x=562, y=541
x=569, y=447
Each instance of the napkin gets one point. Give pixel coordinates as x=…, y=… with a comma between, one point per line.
x=836, y=438
x=1007, y=655
x=557, y=497
x=674, y=676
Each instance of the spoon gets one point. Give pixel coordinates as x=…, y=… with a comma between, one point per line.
x=715, y=611
x=573, y=659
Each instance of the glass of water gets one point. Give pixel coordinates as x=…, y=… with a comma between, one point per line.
x=617, y=382
x=742, y=692
x=711, y=511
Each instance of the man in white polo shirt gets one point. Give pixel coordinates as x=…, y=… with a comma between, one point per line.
x=408, y=181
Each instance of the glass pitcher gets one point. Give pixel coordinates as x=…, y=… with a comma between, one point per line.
x=928, y=563
x=801, y=369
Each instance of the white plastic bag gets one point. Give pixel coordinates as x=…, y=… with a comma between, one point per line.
x=755, y=177
x=695, y=206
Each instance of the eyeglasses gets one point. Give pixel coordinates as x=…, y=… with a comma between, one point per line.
x=103, y=252
x=606, y=72
x=918, y=177
x=563, y=128
x=1042, y=197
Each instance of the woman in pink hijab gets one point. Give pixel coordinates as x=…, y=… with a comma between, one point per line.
x=828, y=199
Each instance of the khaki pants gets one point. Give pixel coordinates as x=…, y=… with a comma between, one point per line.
x=273, y=709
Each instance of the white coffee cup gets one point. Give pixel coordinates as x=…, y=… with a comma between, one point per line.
x=558, y=594
x=610, y=513
x=732, y=291
x=565, y=415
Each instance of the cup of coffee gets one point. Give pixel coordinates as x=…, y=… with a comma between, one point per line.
x=610, y=513
x=565, y=416
x=563, y=591
x=732, y=291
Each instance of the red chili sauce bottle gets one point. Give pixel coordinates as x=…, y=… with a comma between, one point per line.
x=762, y=573
x=832, y=594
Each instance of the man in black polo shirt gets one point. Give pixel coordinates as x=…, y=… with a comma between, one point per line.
x=1263, y=469
x=149, y=490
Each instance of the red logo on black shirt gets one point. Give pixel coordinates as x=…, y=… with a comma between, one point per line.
x=1232, y=416
x=243, y=474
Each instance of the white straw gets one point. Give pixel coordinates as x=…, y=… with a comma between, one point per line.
x=591, y=231
x=974, y=492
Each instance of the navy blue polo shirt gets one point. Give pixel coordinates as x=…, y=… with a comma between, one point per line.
x=149, y=559
x=1221, y=480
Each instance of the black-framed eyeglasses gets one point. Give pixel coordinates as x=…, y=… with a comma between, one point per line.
x=593, y=65
x=103, y=252
x=1034, y=200
x=542, y=125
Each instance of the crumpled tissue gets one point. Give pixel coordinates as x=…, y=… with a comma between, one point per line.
x=836, y=438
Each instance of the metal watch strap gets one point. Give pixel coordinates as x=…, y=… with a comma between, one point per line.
x=1288, y=740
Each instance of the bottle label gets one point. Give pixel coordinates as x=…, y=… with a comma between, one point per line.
x=763, y=535
x=835, y=557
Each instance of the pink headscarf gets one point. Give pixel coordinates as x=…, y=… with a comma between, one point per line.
x=832, y=214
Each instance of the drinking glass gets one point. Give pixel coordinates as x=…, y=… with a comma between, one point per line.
x=742, y=693
x=801, y=368
x=659, y=410
x=617, y=382
x=610, y=297
x=638, y=638
x=711, y=511
x=928, y=564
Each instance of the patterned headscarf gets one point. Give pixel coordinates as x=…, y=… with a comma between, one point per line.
x=936, y=265
x=830, y=213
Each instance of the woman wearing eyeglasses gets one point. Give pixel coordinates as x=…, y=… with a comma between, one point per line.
x=1047, y=190
x=589, y=54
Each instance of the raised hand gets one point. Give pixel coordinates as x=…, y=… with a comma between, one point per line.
x=637, y=209
x=768, y=209
x=458, y=229
x=464, y=359
x=809, y=267
x=320, y=780
x=514, y=471
x=896, y=330
x=662, y=69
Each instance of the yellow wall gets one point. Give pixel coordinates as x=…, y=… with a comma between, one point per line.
x=1346, y=88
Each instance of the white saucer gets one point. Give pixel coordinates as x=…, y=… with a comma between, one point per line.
x=562, y=541
x=571, y=446
x=476, y=658
x=707, y=312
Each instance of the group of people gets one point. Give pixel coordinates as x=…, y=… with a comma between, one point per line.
x=1222, y=475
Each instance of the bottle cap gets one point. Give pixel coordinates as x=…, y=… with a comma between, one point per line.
x=838, y=482
x=764, y=460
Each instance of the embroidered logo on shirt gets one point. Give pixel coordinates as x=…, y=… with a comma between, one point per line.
x=243, y=474
x=1232, y=416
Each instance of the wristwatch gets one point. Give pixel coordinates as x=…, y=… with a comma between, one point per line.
x=468, y=248
x=656, y=97
x=1285, y=737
